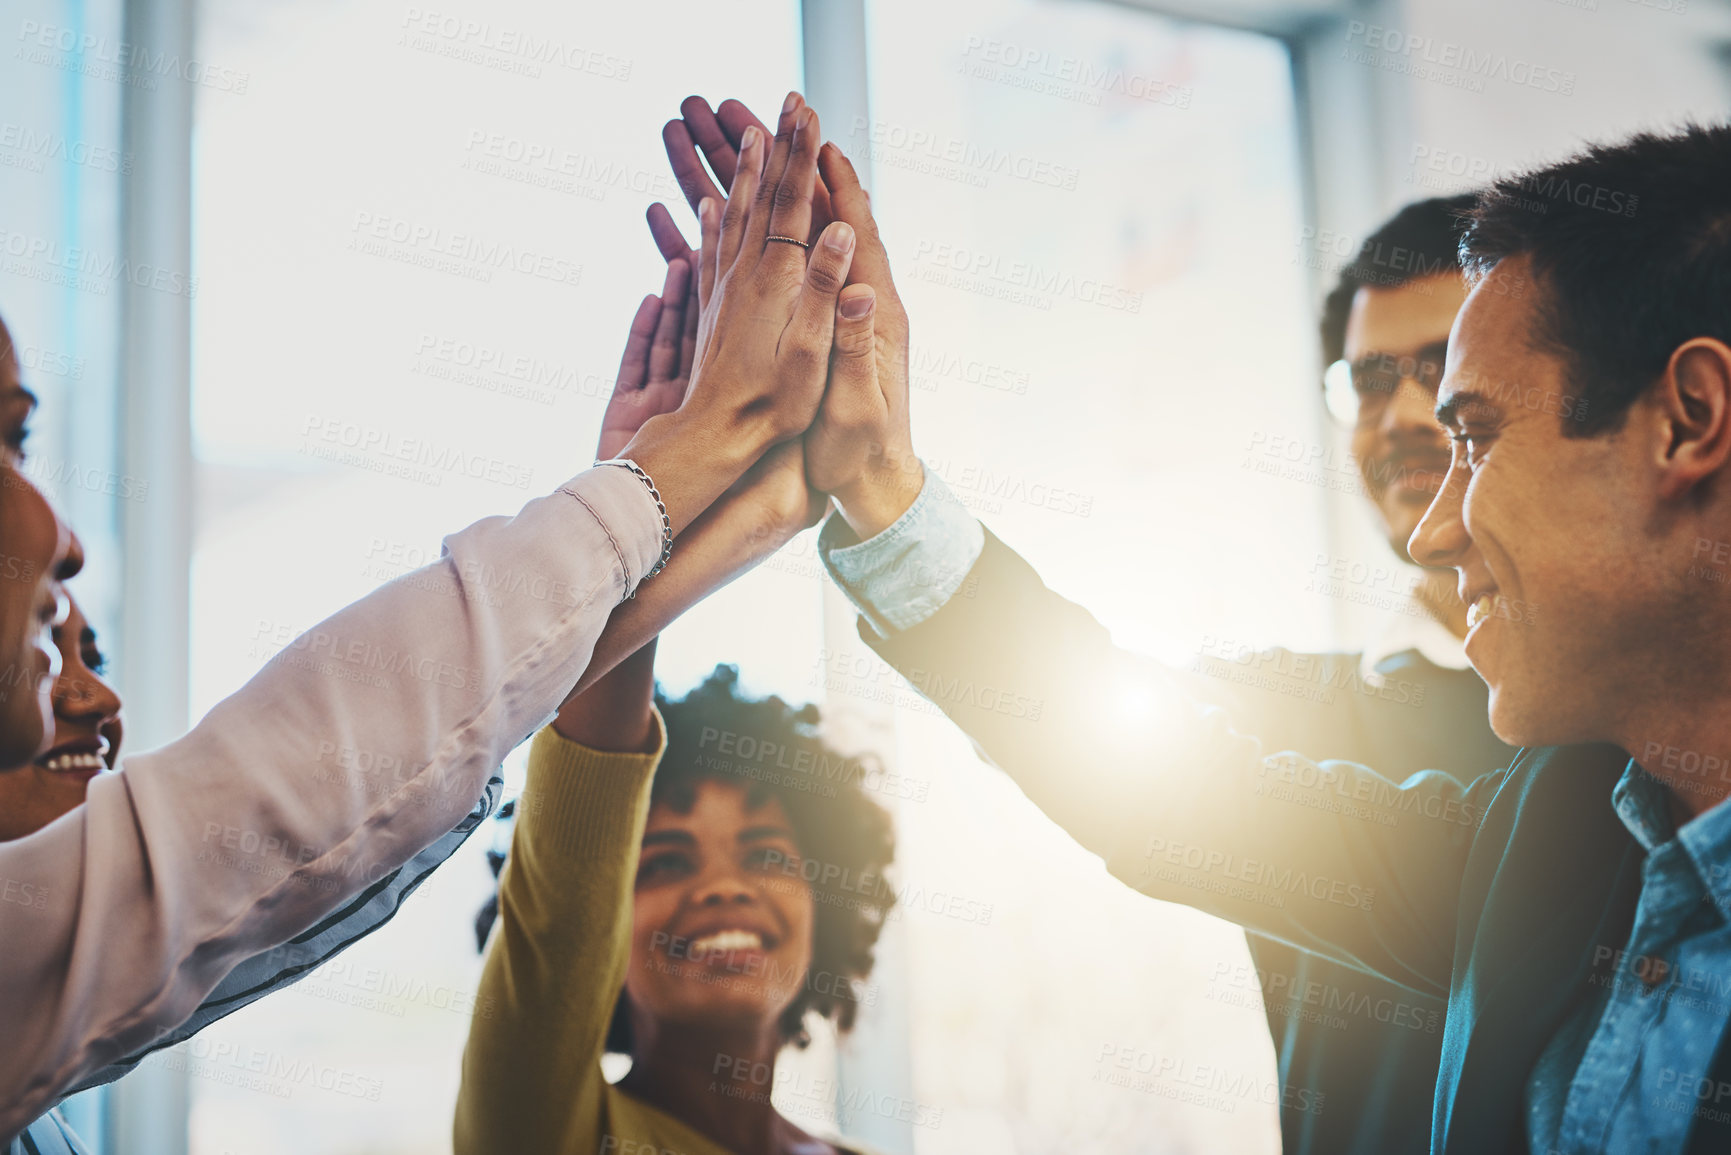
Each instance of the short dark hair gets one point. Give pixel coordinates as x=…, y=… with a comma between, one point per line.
x=777, y=753
x=1421, y=240
x=1630, y=247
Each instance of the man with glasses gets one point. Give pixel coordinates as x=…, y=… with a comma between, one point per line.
x=1358, y=1055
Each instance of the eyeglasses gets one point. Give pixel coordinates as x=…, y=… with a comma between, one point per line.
x=1357, y=391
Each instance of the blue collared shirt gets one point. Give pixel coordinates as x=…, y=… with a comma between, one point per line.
x=905, y=574
x=1631, y=1069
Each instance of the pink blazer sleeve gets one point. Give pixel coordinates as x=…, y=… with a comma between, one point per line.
x=117, y=919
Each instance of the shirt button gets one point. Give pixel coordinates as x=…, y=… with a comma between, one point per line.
x=1651, y=970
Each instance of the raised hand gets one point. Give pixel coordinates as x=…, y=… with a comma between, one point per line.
x=656, y=367
x=763, y=344
x=718, y=133
x=860, y=448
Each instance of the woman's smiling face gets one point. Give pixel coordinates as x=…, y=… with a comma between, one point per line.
x=85, y=740
x=722, y=914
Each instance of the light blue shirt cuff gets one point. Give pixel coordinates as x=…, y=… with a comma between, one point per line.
x=908, y=572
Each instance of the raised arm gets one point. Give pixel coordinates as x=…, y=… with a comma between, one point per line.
x=262, y=821
x=1331, y=857
x=531, y=1070
x=278, y=807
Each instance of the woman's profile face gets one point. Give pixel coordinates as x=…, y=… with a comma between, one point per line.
x=722, y=915
x=34, y=551
x=85, y=740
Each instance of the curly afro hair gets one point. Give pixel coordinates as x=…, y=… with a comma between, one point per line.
x=773, y=750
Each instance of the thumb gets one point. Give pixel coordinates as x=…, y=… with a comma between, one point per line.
x=853, y=364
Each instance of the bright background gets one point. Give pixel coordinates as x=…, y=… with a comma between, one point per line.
x=1221, y=207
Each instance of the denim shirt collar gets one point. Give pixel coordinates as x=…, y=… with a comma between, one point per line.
x=1643, y=803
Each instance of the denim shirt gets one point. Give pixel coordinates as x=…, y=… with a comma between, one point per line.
x=905, y=574
x=1629, y=1071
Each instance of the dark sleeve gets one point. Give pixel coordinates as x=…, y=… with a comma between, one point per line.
x=1329, y=856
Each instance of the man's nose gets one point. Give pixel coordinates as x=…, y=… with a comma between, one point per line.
x=1441, y=540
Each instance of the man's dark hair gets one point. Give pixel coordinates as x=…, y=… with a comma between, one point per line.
x=777, y=753
x=1421, y=240
x=1630, y=247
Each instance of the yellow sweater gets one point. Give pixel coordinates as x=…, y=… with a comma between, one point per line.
x=532, y=1080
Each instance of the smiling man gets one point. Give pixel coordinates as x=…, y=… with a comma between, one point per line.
x=1575, y=908
x=1598, y=527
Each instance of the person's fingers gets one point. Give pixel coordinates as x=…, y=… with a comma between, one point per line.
x=688, y=170
x=790, y=214
x=849, y=202
x=667, y=236
x=734, y=216
x=664, y=349
x=853, y=397
x=733, y=118
x=720, y=146
x=634, y=365
x=688, y=331
x=708, y=254
x=763, y=207
x=812, y=326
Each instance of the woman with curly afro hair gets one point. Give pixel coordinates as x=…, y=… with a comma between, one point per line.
x=688, y=881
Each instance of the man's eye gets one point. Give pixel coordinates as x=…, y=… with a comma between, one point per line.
x=15, y=439
x=96, y=662
x=1473, y=443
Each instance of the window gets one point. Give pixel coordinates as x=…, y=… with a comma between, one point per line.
x=350, y=206
x=1073, y=250
x=1093, y=215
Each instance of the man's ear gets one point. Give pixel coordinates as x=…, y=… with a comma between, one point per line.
x=1694, y=397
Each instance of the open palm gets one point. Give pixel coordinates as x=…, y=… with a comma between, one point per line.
x=656, y=367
